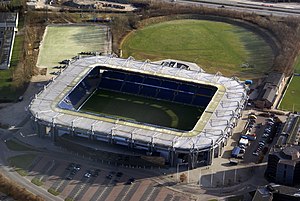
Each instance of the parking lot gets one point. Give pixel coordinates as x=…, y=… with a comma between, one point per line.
x=259, y=134
x=83, y=182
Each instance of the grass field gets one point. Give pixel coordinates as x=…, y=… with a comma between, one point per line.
x=144, y=110
x=291, y=101
x=65, y=42
x=216, y=46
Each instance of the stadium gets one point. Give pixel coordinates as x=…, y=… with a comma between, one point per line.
x=179, y=114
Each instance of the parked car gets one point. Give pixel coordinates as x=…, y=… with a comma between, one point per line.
x=242, y=146
x=266, y=135
x=242, y=151
x=252, y=116
x=87, y=175
x=233, y=162
x=235, y=151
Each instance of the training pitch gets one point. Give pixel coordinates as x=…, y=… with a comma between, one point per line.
x=290, y=101
x=66, y=41
x=143, y=110
x=216, y=46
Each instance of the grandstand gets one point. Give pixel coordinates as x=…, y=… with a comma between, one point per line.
x=59, y=109
x=8, y=29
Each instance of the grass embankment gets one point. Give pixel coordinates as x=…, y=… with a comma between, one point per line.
x=216, y=46
x=16, y=146
x=21, y=163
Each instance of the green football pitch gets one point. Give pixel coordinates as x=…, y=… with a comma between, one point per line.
x=216, y=46
x=66, y=41
x=290, y=100
x=144, y=110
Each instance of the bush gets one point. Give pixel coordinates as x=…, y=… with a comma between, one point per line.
x=53, y=191
x=37, y=181
x=69, y=199
x=21, y=172
x=183, y=177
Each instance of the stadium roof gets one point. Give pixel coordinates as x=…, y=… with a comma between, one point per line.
x=213, y=126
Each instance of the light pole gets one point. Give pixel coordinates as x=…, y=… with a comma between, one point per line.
x=177, y=171
x=211, y=179
x=200, y=175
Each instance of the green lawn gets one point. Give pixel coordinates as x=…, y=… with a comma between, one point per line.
x=22, y=163
x=145, y=110
x=16, y=146
x=216, y=46
x=291, y=101
x=65, y=42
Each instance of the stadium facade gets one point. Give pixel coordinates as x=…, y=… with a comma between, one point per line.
x=55, y=109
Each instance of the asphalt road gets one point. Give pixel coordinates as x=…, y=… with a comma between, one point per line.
x=247, y=8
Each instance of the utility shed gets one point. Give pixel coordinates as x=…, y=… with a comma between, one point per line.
x=270, y=89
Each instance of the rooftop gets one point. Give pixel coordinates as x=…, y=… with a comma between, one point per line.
x=213, y=126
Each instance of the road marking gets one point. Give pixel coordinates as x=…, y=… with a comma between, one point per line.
x=51, y=166
x=81, y=188
x=22, y=134
x=126, y=193
x=34, y=134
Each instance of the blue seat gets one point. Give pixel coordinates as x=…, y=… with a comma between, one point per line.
x=110, y=84
x=206, y=91
x=148, y=91
x=182, y=97
x=152, y=81
x=86, y=84
x=94, y=73
x=114, y=75
x=76, y=95
x=134, y=78
x=169, y=84
x=201, y=100
x=187, y=88
x=131, y=88
x=66, y=106
x=165, y=94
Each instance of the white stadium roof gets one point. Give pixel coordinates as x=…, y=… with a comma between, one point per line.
x=213, y=126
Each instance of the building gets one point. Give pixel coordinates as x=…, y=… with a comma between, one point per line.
x=270, y=89
x=54, y=111
x=284, y=158
x=98, y=5
x=8, y=29
x=274, y=192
